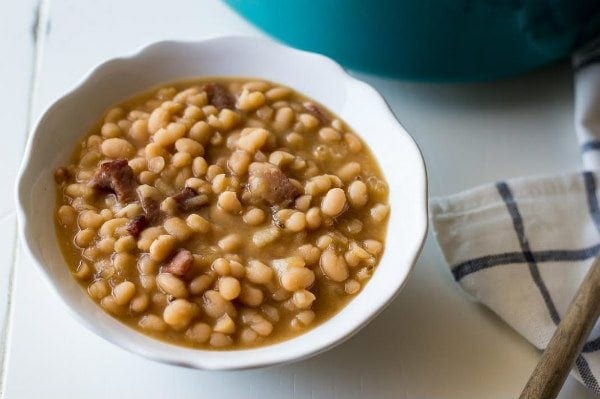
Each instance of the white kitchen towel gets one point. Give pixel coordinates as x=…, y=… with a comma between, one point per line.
x=522, y=246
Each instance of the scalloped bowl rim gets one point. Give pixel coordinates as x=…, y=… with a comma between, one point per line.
x=380, y=290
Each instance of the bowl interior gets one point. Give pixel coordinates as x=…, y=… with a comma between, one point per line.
x=315, y=76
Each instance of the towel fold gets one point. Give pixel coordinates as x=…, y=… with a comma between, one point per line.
x=522, y=246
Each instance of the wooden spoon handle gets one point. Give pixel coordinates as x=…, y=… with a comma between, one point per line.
x=568, y=339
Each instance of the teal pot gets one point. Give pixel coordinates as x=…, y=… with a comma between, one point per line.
x=441, y=40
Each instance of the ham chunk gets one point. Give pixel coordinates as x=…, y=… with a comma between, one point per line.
x=151, y=208
x=267, y=182
x=116, y=176
x=136, y=225
x=180, y=263
x=189, y=200
x=219, y=96
x=317, y=112
x=150, y=198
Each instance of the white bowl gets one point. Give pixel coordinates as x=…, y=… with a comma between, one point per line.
x=59, y=129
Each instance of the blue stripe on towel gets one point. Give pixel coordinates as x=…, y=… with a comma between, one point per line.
x=591, y=346
x=582, y=365
x=586, y=374
x=593, y=145
x=506, y=194
x=513, y=210
x=591, y=186
x=592, y=199
x=557, y=255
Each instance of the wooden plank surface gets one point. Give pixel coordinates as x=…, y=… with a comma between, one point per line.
x=431, y=342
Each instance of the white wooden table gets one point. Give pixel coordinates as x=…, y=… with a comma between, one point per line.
x=432, y=342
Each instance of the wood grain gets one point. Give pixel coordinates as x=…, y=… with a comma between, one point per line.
x=568, y=339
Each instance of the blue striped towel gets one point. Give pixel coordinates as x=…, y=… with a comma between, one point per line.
x=522, y=247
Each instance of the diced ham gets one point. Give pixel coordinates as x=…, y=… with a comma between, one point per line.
x=151, y=208
x=317, y=112
x=116, y=176
x=185, y=194
x=189, y=200
x=267, y=182
x=150, y=198
x=180, y=263
x=219, y=96
x=137, y=225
